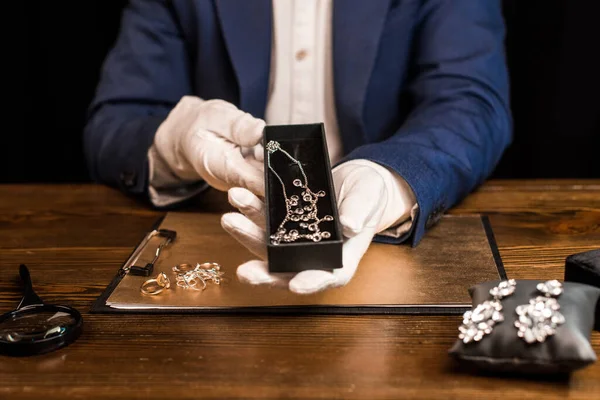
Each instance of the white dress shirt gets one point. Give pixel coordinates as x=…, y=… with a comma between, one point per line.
x=301, y=81
x=301, y=90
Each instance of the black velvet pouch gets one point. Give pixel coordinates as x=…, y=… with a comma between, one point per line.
x=585, y=268
x=503, y=350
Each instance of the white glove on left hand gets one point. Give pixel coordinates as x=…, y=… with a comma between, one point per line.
x=370, y=198
x=213, y=141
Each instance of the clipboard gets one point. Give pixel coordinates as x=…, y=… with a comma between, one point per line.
x=431, y=278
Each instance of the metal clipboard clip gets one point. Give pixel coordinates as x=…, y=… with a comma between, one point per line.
x=129, y=267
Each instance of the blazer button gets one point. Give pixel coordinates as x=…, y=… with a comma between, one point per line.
x=129, y=178
x=433, y=218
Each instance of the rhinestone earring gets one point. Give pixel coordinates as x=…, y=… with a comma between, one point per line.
x=481, y=320
x=540, y=318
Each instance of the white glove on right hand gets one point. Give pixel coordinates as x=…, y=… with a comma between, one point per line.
x=371, y=199
x=214, y=141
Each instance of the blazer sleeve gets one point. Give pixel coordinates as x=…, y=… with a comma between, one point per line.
x=143, y=77
x=460, y=124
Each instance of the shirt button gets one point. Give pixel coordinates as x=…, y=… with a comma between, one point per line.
x=301, y=54
x=129, y=178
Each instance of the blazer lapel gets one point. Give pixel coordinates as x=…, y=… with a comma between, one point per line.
x=357, y=27
x=246, y=27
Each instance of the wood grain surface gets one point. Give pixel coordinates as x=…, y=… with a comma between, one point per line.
x=74, y=237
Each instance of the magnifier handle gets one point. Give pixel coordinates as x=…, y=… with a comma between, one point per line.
x=29, y=296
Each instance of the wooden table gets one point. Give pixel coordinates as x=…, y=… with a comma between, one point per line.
x=73, y=238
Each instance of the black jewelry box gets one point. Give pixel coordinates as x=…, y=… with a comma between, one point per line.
x=307, y=144
x=584, y=267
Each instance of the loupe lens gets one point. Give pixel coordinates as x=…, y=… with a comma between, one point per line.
x=35, y=324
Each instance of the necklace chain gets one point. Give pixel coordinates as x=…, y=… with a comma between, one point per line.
x=305, y=212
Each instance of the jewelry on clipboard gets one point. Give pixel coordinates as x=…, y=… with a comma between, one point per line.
x=196, y=278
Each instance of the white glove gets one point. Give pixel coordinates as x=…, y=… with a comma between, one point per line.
x=370, y=198
x=211, y=140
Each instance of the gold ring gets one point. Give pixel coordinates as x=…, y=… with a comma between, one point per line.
x=156, y=285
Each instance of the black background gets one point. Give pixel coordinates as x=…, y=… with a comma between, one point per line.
x=53, y=51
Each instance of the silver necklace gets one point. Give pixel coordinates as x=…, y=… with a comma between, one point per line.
x=301, y=209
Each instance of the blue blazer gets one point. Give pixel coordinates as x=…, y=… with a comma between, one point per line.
x=420, y=86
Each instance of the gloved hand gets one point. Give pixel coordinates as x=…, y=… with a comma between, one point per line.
x=370, y=198
x=214, y=141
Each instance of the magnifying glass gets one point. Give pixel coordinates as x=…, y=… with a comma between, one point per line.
x=35, y=327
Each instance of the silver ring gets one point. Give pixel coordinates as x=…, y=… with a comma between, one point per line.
x=209, y=265
x=183, y=268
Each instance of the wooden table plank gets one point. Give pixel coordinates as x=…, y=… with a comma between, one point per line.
x=74, y=237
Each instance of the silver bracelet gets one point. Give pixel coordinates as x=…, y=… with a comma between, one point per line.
x=299, y=208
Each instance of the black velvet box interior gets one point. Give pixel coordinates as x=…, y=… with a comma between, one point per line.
x=307, y=144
